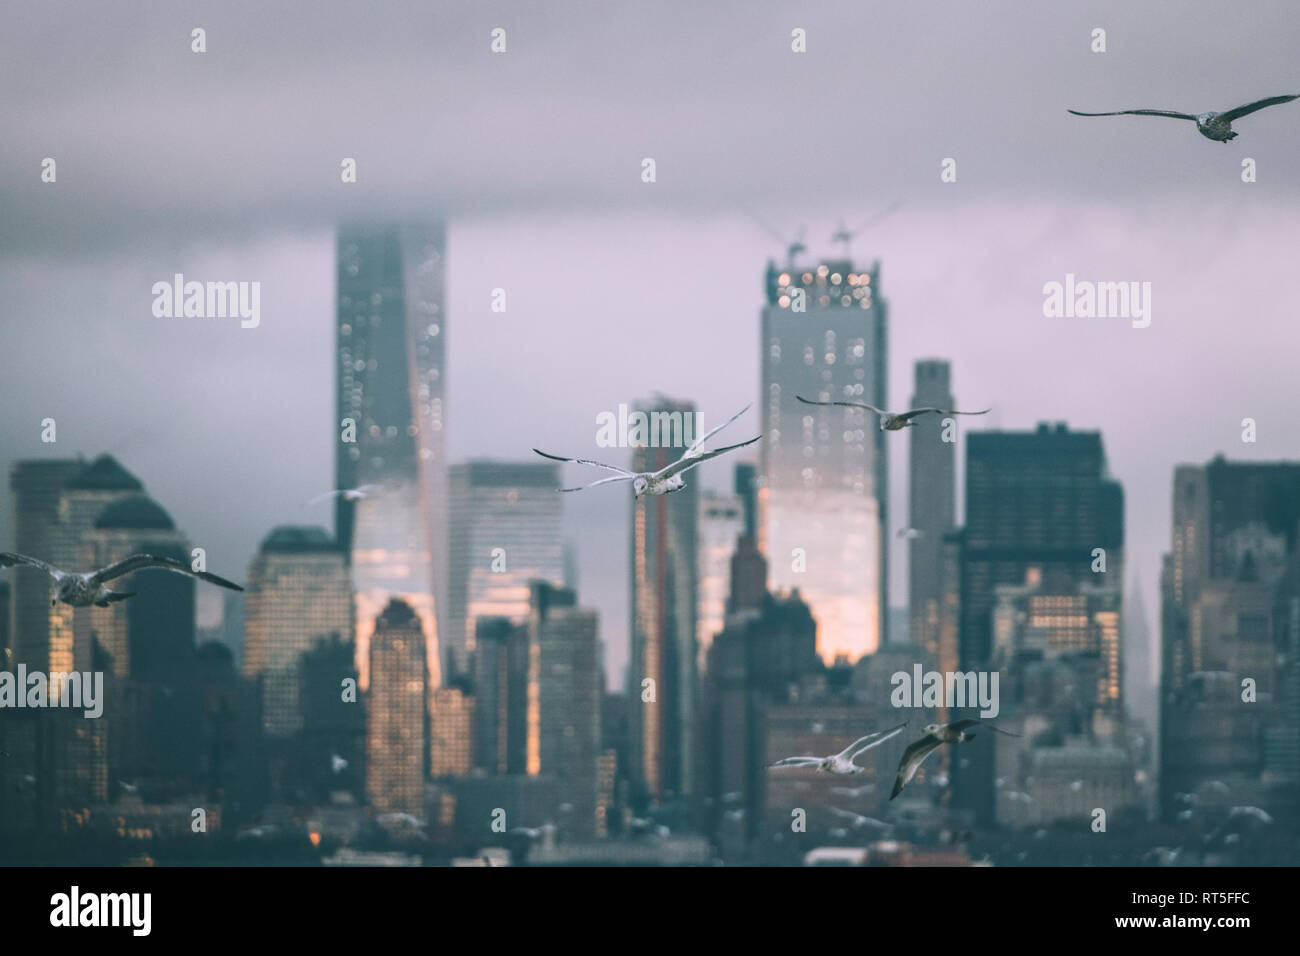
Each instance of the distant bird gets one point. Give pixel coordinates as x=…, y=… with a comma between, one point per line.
x=891, y=422
x=842, y=762
x=935, y=737
x=854, y=792
x=1017, y=797
x=532, y=833
x=909, y=533
x=405, y=818
x=347, y=494
x=128, y=787
x=338, y=764
x=1215, y=126
x=859, y=821
x=83, y=590
x=735, y=814
x=666, y=479
x=1076, y=785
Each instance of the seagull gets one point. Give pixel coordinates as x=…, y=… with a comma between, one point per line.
x=891, y=422
x=83, y=590
x=935, y=736
x=532, y=833
x=347, y=494
x=909, y=533
x=338, y=764
x=668, y=478
x=128, y=787
x=1215, y=126
x=859, y=821
x=842, y=762
x=405, y=818
x=854, y=792
x=1254, y=812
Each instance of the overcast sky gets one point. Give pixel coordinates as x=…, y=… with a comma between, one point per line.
x=225, y=166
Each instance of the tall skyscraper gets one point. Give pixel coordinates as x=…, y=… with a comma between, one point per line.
x=564, y=691
x=663, y=619
x=392, y=333
x=298, y=594
x=36, y=487
x=1038, y=506
x=721, y=524
x=395, y=712
x=824, y=471
x=504, y=532
x=500, y=696
x=1228, y=616
x=932, y=502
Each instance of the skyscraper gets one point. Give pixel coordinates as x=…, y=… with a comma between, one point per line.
x=391, y=360
x=663, y=619
x=932, y=477
x=824, y=475
x=1227, y=619
x=1038, y=506
x=564, y=699
x=500, y=695
x=721, y=523
x=504, y=532
x=395, y=712
x=298, y=594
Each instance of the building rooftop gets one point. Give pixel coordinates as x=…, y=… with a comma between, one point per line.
x=134, y=512
x=105, y=474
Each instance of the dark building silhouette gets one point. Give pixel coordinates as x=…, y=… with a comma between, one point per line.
x=500, y=695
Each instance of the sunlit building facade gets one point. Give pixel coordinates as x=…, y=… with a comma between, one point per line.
x=504, y=532
x=391, y=386
x=298, y=594
x=395, y=712
x=824, y=470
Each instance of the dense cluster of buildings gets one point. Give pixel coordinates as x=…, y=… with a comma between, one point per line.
x=427, y=675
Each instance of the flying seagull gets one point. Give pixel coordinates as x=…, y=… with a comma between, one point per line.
x=935, y=736
x=668, y=478
x=347, y=494
x=842, y=762
x=83, y=590
x=890, y=422
x=337, y=763
x=859, y=820
x=1215, y=126
x=910, y=533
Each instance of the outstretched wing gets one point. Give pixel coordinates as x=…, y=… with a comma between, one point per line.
x=870, y=740
x=976, y=722
x=8, y=559
x=588, y=461
x=319, y=498
x=873, y=408
x=603, y=481
x=795, y=762
x=696, y=445
x=138, y=562
x=1249, y=108
x=1170, y=113
x=938, y=411
x=911, y=761
x=685, y=464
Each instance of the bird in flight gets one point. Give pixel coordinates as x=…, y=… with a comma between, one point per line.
x=668, y=478
x=935, y=737
x=83, y=590
x=842, y=762
x=890, y=422
x=858, y=820
x=347, y=494
x=1215, y=126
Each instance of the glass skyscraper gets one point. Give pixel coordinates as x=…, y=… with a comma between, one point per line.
x=824, y=476
x=391, y=352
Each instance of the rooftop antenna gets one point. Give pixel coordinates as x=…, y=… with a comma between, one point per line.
x=793, y=247
x=845, y=236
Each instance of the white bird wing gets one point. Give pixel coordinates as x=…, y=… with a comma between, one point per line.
x=9, y=558
x=1249, y=108
x=912, y=758
x=603, y=481
x=878, y=411
x=1170, y=113
x=796, y=762
x=140, y=561
x=870, y=740
x=847, y=814
x=939, y=411
x=685, y=464
x=320, y=498
x=696, y=445
x=588, y=461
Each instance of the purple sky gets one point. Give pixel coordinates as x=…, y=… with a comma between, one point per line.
x=225, y=166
